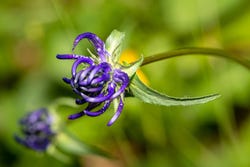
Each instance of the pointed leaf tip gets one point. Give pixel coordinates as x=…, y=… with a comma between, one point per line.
x=149, y=95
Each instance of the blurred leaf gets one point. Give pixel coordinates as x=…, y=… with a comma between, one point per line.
x=63, y=101
x=67, y=143
x=54, y=152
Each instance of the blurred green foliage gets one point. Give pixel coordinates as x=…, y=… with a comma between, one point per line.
x=214, y=134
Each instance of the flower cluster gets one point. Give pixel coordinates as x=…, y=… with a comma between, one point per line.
x=96, y=79
x=36, y=128
x=99, y=80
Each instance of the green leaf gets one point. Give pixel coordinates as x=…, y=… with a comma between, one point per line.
x=68, y=144
x=60, y=109
x=62, y=101
x=57, y=154
x=148, y=95
x=133, y=67
x=113, y=44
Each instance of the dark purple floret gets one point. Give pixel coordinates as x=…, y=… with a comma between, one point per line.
x=36, y=130
x=96, y=81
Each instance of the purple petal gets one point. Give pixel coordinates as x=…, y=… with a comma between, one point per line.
x=96, y=89
x=80, y=101
x=117, y=113
x=36, y=130
x=93, y=73
x=100, y=71
x=103, y=78
x=34, y=116
x=122, y=78
x=77, y=115
x=67, y=80
x=95, y=40
x=79, y=61
x=69, y=56
x=81, y=76
x=102, y=67
x=98, y=112
x=101, y=97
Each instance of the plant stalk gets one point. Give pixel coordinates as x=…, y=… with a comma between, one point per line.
x=197, y=51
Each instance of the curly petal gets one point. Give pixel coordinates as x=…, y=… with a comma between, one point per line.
x=66, y=80
x=75, y=116
x=101, y=97
x=82, y=113
x=120, y=78
x=99, y=81
x=79, y=61
x=69, y=56
x=82, y=76
x=98, y=112
x=117, y=113
x=102, y=68
x=96, y=41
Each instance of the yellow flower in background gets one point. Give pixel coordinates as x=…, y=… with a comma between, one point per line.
x=130, y=56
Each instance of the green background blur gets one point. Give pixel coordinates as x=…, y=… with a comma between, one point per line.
x=216, y=134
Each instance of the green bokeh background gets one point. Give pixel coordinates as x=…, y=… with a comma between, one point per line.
x=214, y=134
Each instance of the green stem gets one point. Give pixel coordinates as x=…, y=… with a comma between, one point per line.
x=69, y=144
x=201, y=51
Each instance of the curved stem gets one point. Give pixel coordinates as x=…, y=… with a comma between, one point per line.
x=201, y=51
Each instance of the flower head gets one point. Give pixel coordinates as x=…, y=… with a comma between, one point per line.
x=36, y=129
x=98, y=79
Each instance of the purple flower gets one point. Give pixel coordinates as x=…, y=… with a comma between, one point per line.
x=97, y=79
x=36, y=130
